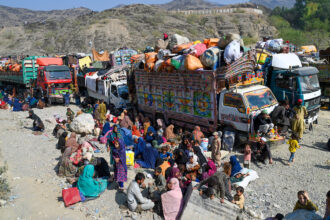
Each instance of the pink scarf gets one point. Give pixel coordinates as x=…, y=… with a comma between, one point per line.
x=172, y=201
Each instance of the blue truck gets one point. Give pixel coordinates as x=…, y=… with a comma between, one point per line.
x=288, y=80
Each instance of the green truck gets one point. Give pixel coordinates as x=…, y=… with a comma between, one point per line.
x=25, y=77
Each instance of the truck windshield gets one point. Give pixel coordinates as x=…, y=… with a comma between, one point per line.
x=123, y=91
x=260, y=99
x=309, y=83
x=55, y=75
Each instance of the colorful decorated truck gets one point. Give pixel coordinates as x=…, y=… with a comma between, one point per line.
x=228, y=98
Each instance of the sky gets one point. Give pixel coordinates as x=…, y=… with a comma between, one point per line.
x=96, y=5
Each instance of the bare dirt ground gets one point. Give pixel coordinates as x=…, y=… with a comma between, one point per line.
x=36, y=189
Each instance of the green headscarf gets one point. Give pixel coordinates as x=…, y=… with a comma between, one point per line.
x=88, y=186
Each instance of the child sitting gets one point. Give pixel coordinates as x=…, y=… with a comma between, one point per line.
x=293, y=146
x=158, y=186
x=304, y=202
x=192, y=167
x=164, y=154
x=239, y=197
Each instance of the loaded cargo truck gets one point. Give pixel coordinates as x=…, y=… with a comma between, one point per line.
x=43, y=76
x=110, y=86
x=227, y=99
x=288, y=80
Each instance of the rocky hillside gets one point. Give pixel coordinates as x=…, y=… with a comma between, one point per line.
x=275, y=3
x=188, y=5
x=19, y=16
x=135, y=26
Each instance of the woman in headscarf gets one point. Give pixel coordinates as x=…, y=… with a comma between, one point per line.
x=135, y=131
x=236, y=167
x=72, y=142
x=172, y=200
x=114, y=135
x=151, y=134
x=169, y=133
x=180, y=157
x=106, y=127
x=197, y=134
x=125, y=121
x=186, y=146
x=175, y=173
x=62, y=141
x=88, y=186
x=210, y=169
x=120, y=168
x=66, y=167
x=146, y=125
x=149, y=157
x=201, y=158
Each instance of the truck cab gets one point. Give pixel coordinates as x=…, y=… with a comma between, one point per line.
x=238, y=107
x=119, y=94
x=290, y=81
x=53, y=78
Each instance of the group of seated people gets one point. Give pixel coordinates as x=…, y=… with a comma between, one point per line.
x=177, y=159
x=19, y=102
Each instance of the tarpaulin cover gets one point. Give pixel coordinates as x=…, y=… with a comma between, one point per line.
x=100, y=57
x=45, y=61
x=85, y=61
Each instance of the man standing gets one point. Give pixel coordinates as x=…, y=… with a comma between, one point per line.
x=279, y=117
x=298, y=123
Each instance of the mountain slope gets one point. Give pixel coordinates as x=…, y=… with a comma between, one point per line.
x=135, y=26
x=18, y=16
x=275, y=3
x=188, y=5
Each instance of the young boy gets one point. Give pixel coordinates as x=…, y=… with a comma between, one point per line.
x=304, y=202
x=136, y=201
x=164, y=154
x=293, y=146
x=239, y=197
x=159, y=185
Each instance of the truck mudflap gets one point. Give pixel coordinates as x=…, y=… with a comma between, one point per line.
x=312, y=118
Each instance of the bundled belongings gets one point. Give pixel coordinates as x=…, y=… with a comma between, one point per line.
x=211, y=42
x=100, y=57
x=232, y=52
x=211, y=58
x=177, y=39
x=225, y=40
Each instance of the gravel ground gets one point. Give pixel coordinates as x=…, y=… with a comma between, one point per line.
x=36, y=189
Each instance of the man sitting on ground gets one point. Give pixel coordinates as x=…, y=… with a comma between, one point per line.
x=136, y=201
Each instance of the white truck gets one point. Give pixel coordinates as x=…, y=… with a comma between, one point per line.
x=111, y=87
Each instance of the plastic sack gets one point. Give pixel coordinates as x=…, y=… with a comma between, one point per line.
x=225, y=40
x=162, y=53
x=197, y=42
x=150, y=58
x=232, y=52
x=274, y=46
x=161, y=44
x=177, y=61
x=181, y=47
x=198, y=49
x=71, y=196
x=193, y=63
x=158, y=65
x=129, y=158
x=261, y=58
x=204, y=143
x=210, y=58
x=211, y=42
x=177, y=39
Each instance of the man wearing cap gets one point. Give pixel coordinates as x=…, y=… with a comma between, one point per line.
x=263, y=152
x=216, y=147
x=298, y=123
x=263, y=123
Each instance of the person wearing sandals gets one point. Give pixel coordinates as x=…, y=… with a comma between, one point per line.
x=120, y=168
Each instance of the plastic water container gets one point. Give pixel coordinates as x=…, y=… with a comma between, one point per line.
x=205, y=143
